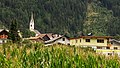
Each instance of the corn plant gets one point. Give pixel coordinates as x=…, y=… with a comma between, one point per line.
x=57, y=56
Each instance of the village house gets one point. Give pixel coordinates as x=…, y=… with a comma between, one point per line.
x=101, y=44
x=58, y=40
x=115, y=43
x=3, y=36
x=90, y=41
x=50, y=39
x=40, y=38
x=47, y=38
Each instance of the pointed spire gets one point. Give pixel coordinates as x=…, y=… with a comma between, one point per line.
x=31, y=23
x=32, y=16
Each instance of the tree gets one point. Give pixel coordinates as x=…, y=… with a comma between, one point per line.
x=27, y=33
x=13, y=32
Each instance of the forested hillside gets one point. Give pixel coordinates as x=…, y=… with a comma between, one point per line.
x=100, y=20
x=64, y=16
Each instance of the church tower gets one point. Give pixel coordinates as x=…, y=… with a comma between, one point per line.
x=31, y=26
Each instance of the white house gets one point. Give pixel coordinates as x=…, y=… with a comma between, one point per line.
x=58, y=40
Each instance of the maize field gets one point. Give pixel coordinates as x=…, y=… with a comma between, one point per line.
x=58, y=56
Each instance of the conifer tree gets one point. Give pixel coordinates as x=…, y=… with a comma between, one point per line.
x=13, y=32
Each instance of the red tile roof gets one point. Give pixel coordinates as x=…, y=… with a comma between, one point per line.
x=91, y=37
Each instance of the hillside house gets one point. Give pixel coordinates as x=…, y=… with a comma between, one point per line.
x=3, y=36
x=102, y=44
x=58, y=40
x=50, y=39
x=91, y=41
x=115, y=43
x=112, y=49
x=40, y=38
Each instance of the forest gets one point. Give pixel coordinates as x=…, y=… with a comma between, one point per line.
x=69, y=17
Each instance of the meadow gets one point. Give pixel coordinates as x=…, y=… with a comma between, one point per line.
x=57, y=56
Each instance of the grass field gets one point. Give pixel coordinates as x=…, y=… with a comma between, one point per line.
x=57, y=56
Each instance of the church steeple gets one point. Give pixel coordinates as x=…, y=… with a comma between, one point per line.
x=31, y=26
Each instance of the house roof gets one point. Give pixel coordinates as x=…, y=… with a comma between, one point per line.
x=54, y=39
x=91, y=37
x=113, y=40
x=41, y=35
x=49, y=35
x=95, y=37
x=4, y=29
x=32, y=38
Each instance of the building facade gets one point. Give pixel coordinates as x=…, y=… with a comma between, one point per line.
x=101, y=44
x=58, y=40
x=90, y=41
x=3, y=36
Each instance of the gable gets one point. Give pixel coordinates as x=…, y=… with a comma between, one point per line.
x=45, y=38
x=4, y=32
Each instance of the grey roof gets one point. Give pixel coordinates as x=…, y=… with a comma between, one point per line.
x=114, y=40
x=54, y=39
x=37, y=32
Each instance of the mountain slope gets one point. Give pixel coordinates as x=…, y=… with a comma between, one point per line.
x=64, y=16
x=100, y=20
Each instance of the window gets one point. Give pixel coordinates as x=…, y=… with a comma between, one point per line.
x=87, y=40
x=63, y=39
x=80, y=40
x=100, y=41
x=3, y=41
x=99, y=47
x=111, y=42
x=109, y=53
x=107, y=47
x=115, y=48
x=76, y=40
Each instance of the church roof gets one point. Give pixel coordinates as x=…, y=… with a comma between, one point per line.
x=36, y=32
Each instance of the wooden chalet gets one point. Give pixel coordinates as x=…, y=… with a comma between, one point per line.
x=3, y=35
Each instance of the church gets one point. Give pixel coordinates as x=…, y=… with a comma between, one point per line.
x=46, y=38
x=31, y=26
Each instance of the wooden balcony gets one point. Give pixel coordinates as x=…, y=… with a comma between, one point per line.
x=3, y=36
